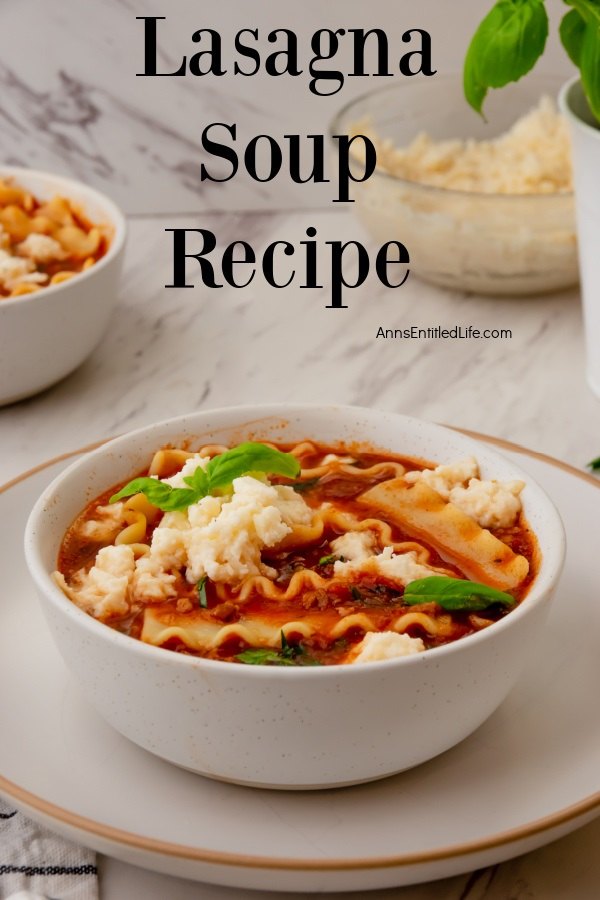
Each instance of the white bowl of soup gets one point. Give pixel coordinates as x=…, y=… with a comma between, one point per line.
x=295, y=596
x=61, y=249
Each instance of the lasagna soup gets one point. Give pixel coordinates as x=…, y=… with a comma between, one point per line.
x=44, y=242
x=300, y=555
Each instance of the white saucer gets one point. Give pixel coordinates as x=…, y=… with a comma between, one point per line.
x=528, y=776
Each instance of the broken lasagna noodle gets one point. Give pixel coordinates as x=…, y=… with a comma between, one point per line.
x=44, y=242
x=310, y=570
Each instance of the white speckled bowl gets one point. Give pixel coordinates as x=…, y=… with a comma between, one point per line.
x=278, y=727
x=46, y=335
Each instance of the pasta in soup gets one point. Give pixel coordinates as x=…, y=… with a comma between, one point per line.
x=44, y=242
x=300, y=555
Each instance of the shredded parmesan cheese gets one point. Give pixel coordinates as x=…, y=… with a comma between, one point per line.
x=534, y=157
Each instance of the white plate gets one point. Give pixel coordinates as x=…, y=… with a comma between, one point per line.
x=529, y=775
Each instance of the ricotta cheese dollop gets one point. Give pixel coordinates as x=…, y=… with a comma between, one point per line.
x=400, y=567
x=493, y=504
x=376, y=646
x=222, y=537
x=104, y=590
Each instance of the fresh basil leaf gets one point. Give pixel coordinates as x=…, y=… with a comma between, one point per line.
x=219, y=473
x=589, y=62
x=506, y=45
x=594, y=464
x=475, y=90
x=198, y=481
x=158, y=493
x=454, y=593
x=572, y=32
x=249, y=457
x=263, y=657
x=325, y=560
x=289, y=655
x=518, y=40
x=201, y=590
x=589, y=10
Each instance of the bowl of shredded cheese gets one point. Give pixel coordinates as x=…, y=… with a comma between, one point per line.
x=482, y=205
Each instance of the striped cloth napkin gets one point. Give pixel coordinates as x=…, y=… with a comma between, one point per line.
x=37, y=860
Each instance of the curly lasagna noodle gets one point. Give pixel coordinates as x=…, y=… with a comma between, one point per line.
x=313, y=569
x=44, y=242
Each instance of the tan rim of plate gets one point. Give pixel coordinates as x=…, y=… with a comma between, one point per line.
x=151, y=845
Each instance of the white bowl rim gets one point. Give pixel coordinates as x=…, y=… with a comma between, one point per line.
x=564, y=102
x=544, y=583
x=66, y=184
x=478, y=196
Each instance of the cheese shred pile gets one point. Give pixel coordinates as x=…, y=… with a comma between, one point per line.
x=533, y=157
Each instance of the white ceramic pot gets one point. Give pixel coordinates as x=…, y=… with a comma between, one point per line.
x=45, y=335
x=272, y=726
x=585, y=133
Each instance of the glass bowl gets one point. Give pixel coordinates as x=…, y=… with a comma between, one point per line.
x=484, y=243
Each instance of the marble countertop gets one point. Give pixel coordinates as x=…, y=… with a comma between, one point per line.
x=168, y=352
x=71, y=101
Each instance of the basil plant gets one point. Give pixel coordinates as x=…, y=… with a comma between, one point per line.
x=512, y=37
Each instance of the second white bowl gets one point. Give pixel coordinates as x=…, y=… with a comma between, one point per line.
x=46, y=335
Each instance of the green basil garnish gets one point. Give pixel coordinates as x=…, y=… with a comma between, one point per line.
x=594, y=465
x=325, y=560
x=219, y=473
x=288, y=655
x=159, y=494
x=201, y=590
x=455, y=594
x=262, y=656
